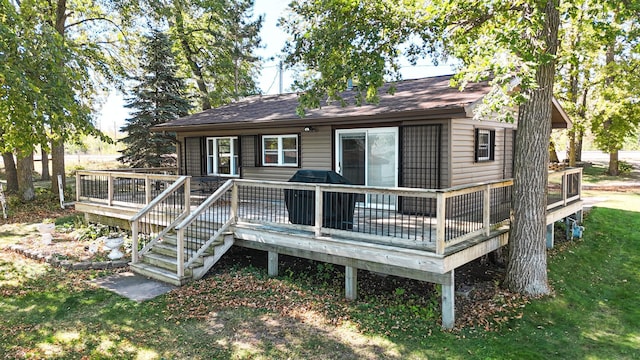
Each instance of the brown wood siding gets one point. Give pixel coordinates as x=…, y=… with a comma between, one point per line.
x=316, y=149
x=463, y=167
x=509, y=137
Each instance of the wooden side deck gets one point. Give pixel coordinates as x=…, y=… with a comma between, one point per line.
x=422, y=234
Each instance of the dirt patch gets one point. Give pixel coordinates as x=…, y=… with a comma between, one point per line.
x=307, y=332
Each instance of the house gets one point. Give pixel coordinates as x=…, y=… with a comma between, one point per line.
x=430, y=187
x=422, y=136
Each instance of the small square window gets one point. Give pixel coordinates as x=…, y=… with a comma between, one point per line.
x=281, y=150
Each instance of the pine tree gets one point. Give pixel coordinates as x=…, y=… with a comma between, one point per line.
x=156, y=99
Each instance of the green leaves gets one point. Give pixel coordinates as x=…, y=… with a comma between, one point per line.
x=344, y=40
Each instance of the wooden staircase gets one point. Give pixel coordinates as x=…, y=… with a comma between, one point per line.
x=168, y=224
x=160, y=262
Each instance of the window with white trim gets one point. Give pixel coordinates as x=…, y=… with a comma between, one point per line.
x=280, y=150
x=222, y=156
x=485, y=140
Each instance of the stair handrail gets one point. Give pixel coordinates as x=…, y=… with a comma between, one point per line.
x=229, y=184
x=135, y=219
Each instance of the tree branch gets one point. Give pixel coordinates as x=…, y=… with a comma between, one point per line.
x=99, y=19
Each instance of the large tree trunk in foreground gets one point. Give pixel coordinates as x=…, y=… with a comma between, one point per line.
x=527, y=267
x=11, y=172
x=25, y=176
x=57, y=166
x=45, y=166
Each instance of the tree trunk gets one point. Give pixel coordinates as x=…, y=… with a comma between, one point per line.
x=11, y=172
x=25, y=176
x=527, y=266
x=579, y=139
x=572, y=148
x=57, y=166
x=613, y=163
x=45, y=166
x=57, y=147
x=191, y=56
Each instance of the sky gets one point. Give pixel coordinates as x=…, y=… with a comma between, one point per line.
x=113, y=113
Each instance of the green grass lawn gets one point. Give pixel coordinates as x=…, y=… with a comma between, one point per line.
x=239, y=312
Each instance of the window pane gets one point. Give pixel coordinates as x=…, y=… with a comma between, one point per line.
x=224, y=165
x=271, y=143
x=270, y=157
x=235, y=165
x=290, y=157
x=210, y=147
x=224, y=146
x=290, y=143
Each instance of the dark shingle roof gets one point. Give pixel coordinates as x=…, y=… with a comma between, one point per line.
x=432, y=94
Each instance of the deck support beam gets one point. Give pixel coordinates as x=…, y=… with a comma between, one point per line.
x=351, y=282
x=272, y=263
x=448, y=301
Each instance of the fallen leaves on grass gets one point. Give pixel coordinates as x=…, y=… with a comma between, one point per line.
x=241, y=289
x=488, y=307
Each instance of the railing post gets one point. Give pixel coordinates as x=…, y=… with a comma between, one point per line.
x=486, y=213
x=318, y=204
x=564, y=188
x=441, y=213
x=187, y=195
x=180, y=253
x=234, y=202
x=147, y=189
x=580, y=184
x=78, y=186
x=110, y=190
x=134, y=242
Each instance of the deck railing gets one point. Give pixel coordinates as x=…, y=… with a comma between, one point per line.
x=120, y=188
x=198, y=231
x=563, y=187
x=408, y=217
x=418, y=218
x=160, y=216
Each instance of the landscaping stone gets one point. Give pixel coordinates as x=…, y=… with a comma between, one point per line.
x=66, y=264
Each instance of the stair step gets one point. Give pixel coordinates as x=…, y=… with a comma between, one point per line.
x=171, y=250
x=166, y=262
x=191, y=244
x=159, y=274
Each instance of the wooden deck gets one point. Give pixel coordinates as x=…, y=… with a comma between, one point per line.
x=422, y=234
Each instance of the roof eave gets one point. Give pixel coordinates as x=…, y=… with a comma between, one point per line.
x=438, y=113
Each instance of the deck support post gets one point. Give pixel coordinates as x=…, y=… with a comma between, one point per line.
x=350, y=282
x=550, y=236
x=272, y=263
x=448, y=301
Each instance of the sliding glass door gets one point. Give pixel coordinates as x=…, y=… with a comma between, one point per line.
x=369, y=157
